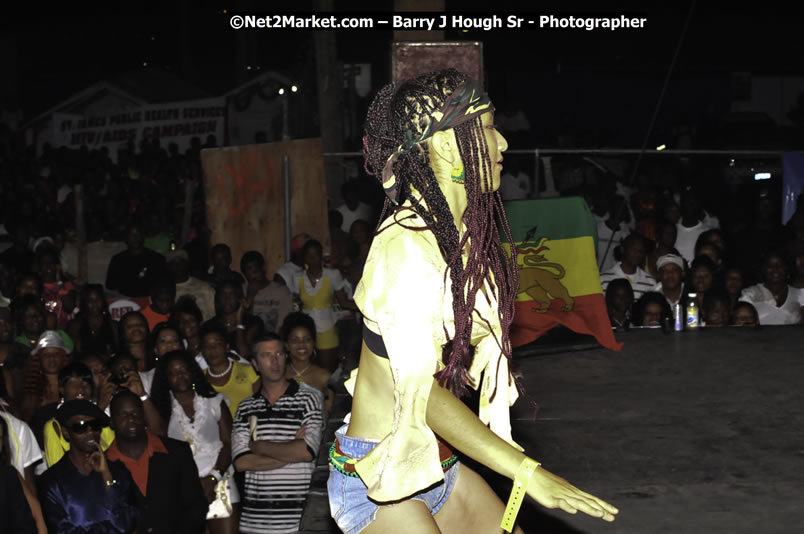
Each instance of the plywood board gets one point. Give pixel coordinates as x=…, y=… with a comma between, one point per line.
x=244, y=188
x=409, y=59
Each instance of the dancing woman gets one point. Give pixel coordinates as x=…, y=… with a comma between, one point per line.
x=437, y=298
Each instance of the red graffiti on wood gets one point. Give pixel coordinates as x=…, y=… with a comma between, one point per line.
x=245, y=188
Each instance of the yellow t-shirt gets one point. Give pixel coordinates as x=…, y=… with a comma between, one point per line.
x=239, y=386
x=405, y=297
x=56, y=446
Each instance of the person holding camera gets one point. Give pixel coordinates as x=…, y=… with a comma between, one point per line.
x=123, y=375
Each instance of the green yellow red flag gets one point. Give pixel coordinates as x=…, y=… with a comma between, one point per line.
x=559, y=283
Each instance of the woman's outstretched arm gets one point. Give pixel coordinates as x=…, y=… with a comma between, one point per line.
x=454, y=422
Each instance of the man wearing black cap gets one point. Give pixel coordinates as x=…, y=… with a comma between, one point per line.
x=84, y=491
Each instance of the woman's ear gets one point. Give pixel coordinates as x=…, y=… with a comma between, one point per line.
x=444, y=146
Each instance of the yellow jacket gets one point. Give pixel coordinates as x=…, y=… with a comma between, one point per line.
x=405, y=297
x=56, y=446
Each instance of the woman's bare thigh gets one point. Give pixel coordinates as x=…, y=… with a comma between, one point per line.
x=471, y=507
x=407, y=516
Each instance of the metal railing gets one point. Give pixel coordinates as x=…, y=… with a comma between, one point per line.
x=541, y=160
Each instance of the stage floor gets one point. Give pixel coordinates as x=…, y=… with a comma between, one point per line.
x=685, y=432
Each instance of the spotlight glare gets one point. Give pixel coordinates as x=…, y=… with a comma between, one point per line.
x=281, y=90
x=294, y=88
x=661, y=147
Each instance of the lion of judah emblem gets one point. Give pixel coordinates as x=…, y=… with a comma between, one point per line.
x=540, y=279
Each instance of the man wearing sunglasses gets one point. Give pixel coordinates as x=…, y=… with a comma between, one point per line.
x=83, y=490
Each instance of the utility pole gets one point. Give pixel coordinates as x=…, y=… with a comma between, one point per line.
x=329, y=73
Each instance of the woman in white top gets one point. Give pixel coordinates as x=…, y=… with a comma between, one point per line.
x=776, y=301
x=198, y=415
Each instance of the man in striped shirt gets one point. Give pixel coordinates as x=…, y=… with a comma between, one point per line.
x=275, y=439
x=632, y=251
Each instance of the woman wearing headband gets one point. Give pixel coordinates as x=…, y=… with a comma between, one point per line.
x=437, y=295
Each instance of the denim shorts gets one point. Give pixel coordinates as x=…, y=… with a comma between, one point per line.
x=348, y=504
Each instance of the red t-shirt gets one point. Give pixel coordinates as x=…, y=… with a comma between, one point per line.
x=153, y=317
x=138, y=467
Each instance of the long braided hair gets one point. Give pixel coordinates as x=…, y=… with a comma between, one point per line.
x=405, y=110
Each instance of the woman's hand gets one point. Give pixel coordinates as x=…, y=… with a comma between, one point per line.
x=208, y=485
x=51, y=321
x=105, y=390
x=251, y=292
x=134, y=383
x=68, y=302
x=245, y=305
x=552, y=491
x=345, y=302
x=453, y=421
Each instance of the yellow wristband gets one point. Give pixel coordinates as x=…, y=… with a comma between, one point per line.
x=518, y=492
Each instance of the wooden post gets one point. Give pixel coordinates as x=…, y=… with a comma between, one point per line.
x=81, y=233
x=287, y=193
x=188, y=212
x=330, y=101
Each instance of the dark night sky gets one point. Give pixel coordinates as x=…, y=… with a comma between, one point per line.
x=58, y=54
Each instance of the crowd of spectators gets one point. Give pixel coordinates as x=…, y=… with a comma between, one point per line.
x=120, y=391
x=676, y=227
x=149, y=382
x=677, y=252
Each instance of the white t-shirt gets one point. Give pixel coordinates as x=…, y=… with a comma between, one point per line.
x=363, y=212
x=147, y=379
x=641, y=282
x=658, y=289
x=765, y=303
x=514, y=187
x=288, y=272
x=604, y=235
x=685, y=242
x=201, y=293
x=341, y=313
x=119, y=307
x=710, y=220
x=63, y=192
x=22, y=443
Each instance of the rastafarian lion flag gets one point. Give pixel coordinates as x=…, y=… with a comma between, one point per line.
x=559, y=283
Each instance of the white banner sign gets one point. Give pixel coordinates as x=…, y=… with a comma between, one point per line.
x=177, y=122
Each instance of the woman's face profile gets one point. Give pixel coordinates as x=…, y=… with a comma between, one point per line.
x=497, y=144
